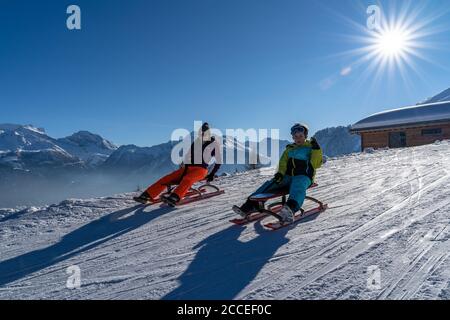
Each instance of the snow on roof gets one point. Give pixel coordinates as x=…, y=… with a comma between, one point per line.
x=420, y=114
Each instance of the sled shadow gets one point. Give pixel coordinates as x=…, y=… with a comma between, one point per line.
x=80, y=240
x=225, y=265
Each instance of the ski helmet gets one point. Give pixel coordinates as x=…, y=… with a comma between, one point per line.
x=300, y=127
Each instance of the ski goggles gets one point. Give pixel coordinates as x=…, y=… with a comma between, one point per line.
x=298, y=129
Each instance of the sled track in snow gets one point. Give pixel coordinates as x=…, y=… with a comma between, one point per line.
x=374, y=227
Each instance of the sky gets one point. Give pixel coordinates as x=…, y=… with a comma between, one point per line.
x=139, y=69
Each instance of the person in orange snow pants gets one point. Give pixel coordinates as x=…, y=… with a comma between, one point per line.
x=186, y=177
x=189, y=173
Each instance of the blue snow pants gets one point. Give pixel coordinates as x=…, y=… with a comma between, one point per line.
x=295, y=185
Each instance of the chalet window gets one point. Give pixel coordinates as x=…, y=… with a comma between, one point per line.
x=397, y=139
x=432, y=132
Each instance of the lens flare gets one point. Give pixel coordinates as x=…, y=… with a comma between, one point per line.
x=391, y=43
x=393, y=47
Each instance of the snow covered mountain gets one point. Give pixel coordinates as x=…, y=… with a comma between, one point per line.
x=338, y=141
x=51, y=159
x=26, y=147
x=131, y=158
x=16, y=137
x=443, y=96
x=385, y=236
x=89, y=147
x=36, y=168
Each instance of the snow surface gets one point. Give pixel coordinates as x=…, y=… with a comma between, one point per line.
x=389, y=210
x=417, y=114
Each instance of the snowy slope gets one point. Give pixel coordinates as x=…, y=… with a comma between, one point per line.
x=388, y=209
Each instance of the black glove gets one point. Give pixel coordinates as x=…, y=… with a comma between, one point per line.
x=314, y=144
x=210, y=177
x=278, y=178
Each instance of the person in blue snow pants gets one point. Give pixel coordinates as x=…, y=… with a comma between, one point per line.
x=295, y=174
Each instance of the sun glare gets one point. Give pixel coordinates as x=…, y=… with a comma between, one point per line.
x=393, y=42
x=390, y=43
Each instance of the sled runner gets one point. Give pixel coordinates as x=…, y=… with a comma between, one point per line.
x=204, y=191
x=273, y=209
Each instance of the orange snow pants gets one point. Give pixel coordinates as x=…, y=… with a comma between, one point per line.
x=184, y=177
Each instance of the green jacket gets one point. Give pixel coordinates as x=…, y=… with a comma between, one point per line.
x=300, y=160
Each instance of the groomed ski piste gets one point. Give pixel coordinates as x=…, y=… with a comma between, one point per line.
x=385, y=235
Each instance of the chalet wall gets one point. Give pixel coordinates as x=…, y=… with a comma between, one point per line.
x=380, y=139
x=375, y=140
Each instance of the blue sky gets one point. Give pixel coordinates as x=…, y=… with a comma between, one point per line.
x=139, y=69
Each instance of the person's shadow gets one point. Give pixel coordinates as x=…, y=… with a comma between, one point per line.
x=225, y=265
x=85, y=238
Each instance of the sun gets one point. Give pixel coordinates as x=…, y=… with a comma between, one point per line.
x=392, y=42
x=395, y=47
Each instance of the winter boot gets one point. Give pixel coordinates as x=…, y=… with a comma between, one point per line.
x=286, y=214
x=245, y=210
x=144, y=198
x=170, y=199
